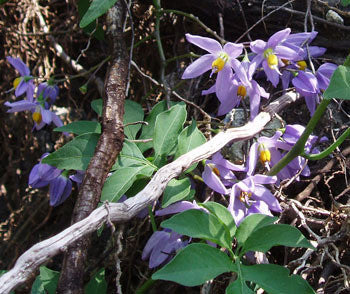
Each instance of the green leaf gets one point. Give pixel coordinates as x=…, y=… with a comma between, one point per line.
x=46, y=281
x=133, y=113
x=199, y=224
x=222, y=213
x=238, y=287
x=148, y=130
x=97, y=106
x=83, y=6
x=96, y=9
x=275, y=279
x=250, y=224
x=345, y=2
x=81, y=127
x=176, y=190
x=121, y=180
x=167, y=128
x=339, y=86
x=76, y=154
x=278, y=234
x=97, y=284
x=189, y=138
x=131, y=156
x=194, y=265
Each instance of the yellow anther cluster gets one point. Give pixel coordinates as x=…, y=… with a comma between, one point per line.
x=16, y=82
x=302, y=64
x=272, y=60
x=264, y=154
x=241, y=91
x=219, y=63
x=244, y=195
x=37, y=117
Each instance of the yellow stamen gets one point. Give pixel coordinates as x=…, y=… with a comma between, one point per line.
x=244, y=195
x=271, y=58
x=16, y=82
x=265, y=155
x=302, y=64
x=241, y=91
x=272, y=61
x=37, y=117
x=285, y=61
x=214, y=169
x=219, y=63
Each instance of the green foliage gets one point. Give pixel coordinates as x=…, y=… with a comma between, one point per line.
x=131, y=156
x=148, y=130
x=339, y=86
x=167, y=128
x=97, y=284
x=83, y=6
x=46, y=282
x=132, y=113
x=96, y=9
x=239, y=286
x=345, y=2
x=176, y=190
x=81, y=127
x=76, y=154
x=199, y=224
x=122, y=179
x=275, y=279
x=189, y=138
x=194, y=265
x=250, y=224
x=222, y=213
x=97, y=106
x=279, y=234
x=197, y=263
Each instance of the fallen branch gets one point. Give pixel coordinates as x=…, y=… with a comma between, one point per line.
x=41, y=252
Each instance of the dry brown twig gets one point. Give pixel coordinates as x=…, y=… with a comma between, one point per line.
x=41, y=252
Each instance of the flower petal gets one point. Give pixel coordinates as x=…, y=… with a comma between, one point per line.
x=213, y=181
x=205, y=43
x=18, y=64
x=233, y=50
x=21, y=105
x=278, y=37
x=271, y=74
x=199, y=66
x=258, y=46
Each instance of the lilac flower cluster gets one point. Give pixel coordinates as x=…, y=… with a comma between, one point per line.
x=60, y=183
x=39, y=101
x=282, y=56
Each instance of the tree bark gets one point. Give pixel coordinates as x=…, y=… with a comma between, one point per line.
x=107, y=150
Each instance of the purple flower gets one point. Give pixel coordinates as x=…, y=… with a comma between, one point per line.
x=40, y=115
x=49, y=93
x=218, y=174
x=24, y=83
x=310, y=85
x=249, y=196
x=60, y=189
x=238, y=90
x=220, y=60
x=42, y=174
x=161, y=247
x=271, y=52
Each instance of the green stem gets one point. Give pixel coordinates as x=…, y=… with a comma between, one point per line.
x=329, y=150
x=196, y=19
x=151, y=215
x=299, y=146
x=145, y=287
